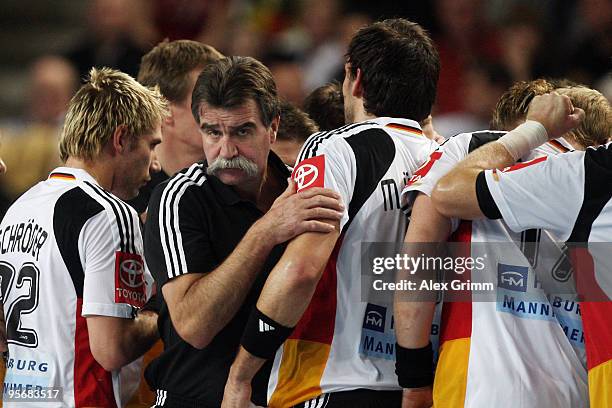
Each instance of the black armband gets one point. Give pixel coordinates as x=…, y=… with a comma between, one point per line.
x=414, y=367
x=263, y=336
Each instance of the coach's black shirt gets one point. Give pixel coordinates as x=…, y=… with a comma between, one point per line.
x=194, y=222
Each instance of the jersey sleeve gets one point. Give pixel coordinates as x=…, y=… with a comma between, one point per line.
x=111, y=255
x=541, y=193
x=333, y=167
x=440, y=162
x=177, y=237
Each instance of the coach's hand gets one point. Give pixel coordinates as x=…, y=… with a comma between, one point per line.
x=417, y=398
x=307, y=211
x=556, y=113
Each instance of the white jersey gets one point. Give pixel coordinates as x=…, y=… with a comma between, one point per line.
x=68, y=250
x=527, y=339
x=580, y=212
x=338, y=345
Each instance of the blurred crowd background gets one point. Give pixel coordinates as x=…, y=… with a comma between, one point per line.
x=485, y=45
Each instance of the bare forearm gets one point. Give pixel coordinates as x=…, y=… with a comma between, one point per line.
x=413, y=317
x=455, y=193
x=292, y=282
x=139, y=335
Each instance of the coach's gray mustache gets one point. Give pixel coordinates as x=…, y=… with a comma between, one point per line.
x=240, y=163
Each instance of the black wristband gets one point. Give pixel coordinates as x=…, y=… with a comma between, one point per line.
x=263, y=336
x=414, y=367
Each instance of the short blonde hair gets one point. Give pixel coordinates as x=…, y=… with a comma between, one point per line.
x=511, y=109
x=596, y=128
x=108, y=99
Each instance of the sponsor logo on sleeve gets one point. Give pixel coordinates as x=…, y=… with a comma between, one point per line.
x=310, y=173
x=130, y=285
x=424, y=169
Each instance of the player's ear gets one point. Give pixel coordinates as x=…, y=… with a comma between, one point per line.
x=168, y=121
x=120, y=139
x=357, y=85
x=274, y=129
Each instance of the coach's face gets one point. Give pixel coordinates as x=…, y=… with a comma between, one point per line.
x=236, y=142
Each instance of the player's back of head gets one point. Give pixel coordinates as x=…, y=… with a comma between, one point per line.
x=400, y=67
x=231, y=82
x=295, y=124
x=108, y=99
x=325, y=105
x=168, y=64
x=511, y=109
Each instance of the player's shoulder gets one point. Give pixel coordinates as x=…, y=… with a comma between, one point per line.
x=479, y=138
x=93, y=197
x=335, y=140
x=600, y=157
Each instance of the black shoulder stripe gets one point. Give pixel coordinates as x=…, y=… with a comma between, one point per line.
x=597, y=191
x=71, y=212
x=482, y=138
x=168, y=211
x=122, y=216
x=309, y=143
x=313, y=145
x=125, y=211
x=374, y=153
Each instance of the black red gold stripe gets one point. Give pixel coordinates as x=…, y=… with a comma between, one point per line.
x=405, y=128
x=63, y=176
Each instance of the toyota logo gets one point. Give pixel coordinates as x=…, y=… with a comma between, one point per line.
x=131, y=273
x=305, y=175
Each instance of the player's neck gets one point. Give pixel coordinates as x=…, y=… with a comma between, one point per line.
x=98, y=169
x=360, y=115
x=174, y=155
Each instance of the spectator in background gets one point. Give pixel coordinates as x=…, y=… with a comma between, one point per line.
x=484, y=83
x=325, y=105
x=294, y=128
x=464, y=36
x=174, y=67
x=288, y=75
x=108, y=42
x=589, y=58
x=30, y=150
x=521, y=39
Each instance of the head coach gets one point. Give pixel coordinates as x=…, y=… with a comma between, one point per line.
x=215, y=230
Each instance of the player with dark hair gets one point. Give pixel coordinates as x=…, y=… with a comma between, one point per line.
x=309, y=318
x=294, y=128
x=325, y=105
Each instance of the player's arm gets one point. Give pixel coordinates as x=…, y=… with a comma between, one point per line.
x=116, y=337
x=115, y=342
x=549, y=117
x=201, y=304
x=283, y=300
x=413, y=319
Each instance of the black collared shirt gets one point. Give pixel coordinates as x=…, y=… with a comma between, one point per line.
x=195, y=222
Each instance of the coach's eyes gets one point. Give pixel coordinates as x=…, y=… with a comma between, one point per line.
x=242, y=132
x=213, y=133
